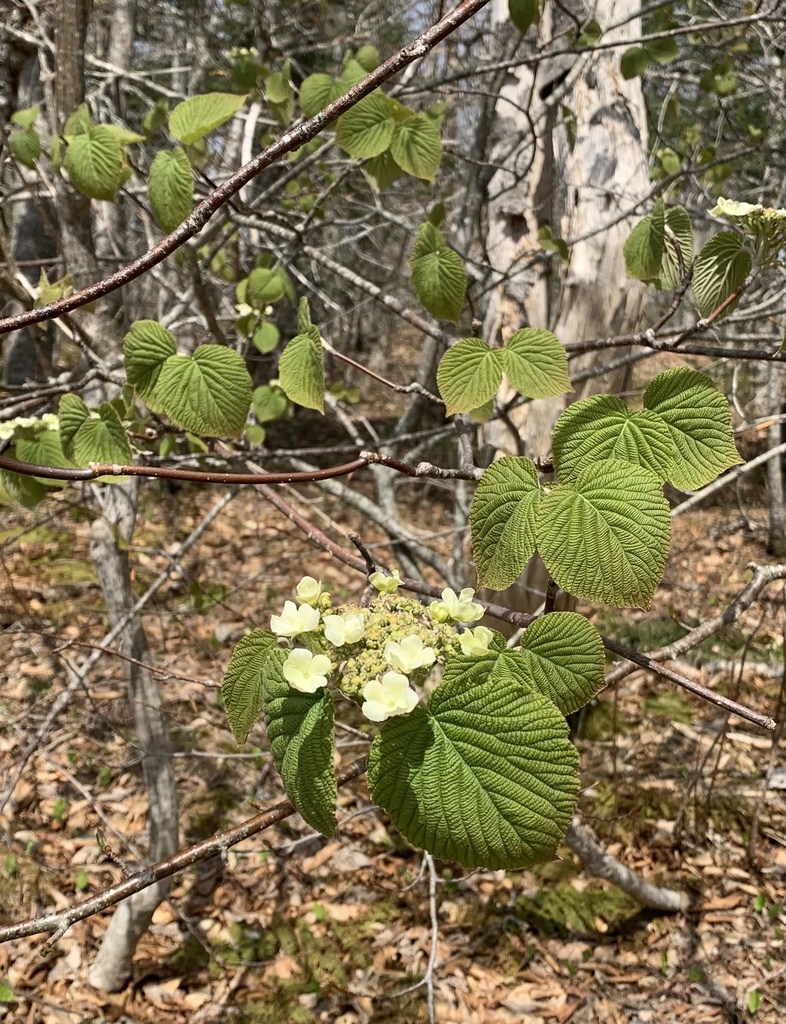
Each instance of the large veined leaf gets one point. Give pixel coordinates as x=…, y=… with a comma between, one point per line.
x=301, y=370
x=605, y=536
x=170, y=186
x=194, y=118
x=536, y=364
x=416, y=146
x=699, y=418
x=71, y=414
x=367, y=57
x=720, y=268
x=469, y=374
x=382, y=171
x=643, y=249
x=634, y=62
x=102, y=439
x=367, y=128
x=502, y=520
x=603, y=427
x=678, y=224
x=146, y=348
x=316, y=92
x=209, y=393
x=300, y=727
x=41, y=448
x=28, y=491
x=241, y=687
x=440, y=282
x=484, y=775
x=564, y=656
x=95, y=163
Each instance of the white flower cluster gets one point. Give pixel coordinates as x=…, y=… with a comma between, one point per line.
x=48, y=421
x=390, y=692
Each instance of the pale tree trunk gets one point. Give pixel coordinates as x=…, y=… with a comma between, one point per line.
x=581, y=189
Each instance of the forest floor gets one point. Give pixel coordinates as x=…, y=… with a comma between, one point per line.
x=296, y=928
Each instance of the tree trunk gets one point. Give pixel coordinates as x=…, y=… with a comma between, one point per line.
x=577, y=165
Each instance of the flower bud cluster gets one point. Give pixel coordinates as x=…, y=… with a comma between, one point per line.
x=376, y=655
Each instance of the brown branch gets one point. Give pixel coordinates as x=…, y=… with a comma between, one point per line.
x=99, y=469
x=422, y=469
x=58, y=923
x=289, y=141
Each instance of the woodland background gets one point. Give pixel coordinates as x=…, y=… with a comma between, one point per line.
x=553, y=147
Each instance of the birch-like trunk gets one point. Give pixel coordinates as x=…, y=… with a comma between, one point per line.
x=569, y=141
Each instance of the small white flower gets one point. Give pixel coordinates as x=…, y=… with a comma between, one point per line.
x=305, y=671
x=475, y=642
x=409, y=654
x=385, y=584
x=731, y=208
x=439, y=611
x=294, y=620
x=344, y=629
x=308, y=590
x=461, y=607
x=391, y=695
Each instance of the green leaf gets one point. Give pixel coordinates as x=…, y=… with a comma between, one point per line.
x=124, y=135
x=241, y=687
x=155, y=118
x=194, y=118
x=678, y=223
x=316, y=92
x=278, y=87
x=603, y=427
x=699, y=418
x=438, y=275
x=524, y=13
x=605, y=536
x=269, y=403
x=303, y=316
x=536, y=363
x=720, y=268
x=469, y=374
x=26, y=117
x=25, y=145
x=170, y=186
x=416, y=147
x=266, y=337
x=300, y=727
x=102, y=440
x=72, y=413
x=382, y=171
x=367, y=128
x=664, y=51
x=367, y=57
x=754, y=1000
x=41, y=448
x=564, y=655
x=146, y=348
x=502, y=519
x=264, y=286
x=207, y=394
x=301, y=370
x=590, y=34
x=643, y=249
x=351, y=74
x=78, y=123
x=26, y=490
x=95, y=163
x=6, y=992
x=484, y=775
x=634, y=62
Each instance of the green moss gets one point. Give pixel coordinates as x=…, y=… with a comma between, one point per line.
x=670, y=705
x=562, y=910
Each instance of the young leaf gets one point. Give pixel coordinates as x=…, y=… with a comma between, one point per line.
x=316, y=92
x=194, y=118
x=720, y=268
x=536, y=364
x=484, y=775
x=264, y=286
x=564, y=656
x=382, y=171
x=643, y=249
x=367, y=128
x=524, y=13
x=26, y=490
x=146, y=348
x=269, y=403
x=301, y=370
x=27, y=117
x=699, y=418
x=678, y=223
x=78, y=123
x=416, y=147
x=438, y=275
x=207, y=394
x=502, y=519
x=95, y=163
x=25, y=145
x=605, y=536
x=241, y=687
x=72, y=413
x=469, y=374
x=300, y=727
x=603, y=427
x=303, y=316
x=664, y=51
x=102, y=439
x=42, y=448
x=367, y=57
x=170, y=186
x=266, y=337
x=634, y=62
